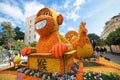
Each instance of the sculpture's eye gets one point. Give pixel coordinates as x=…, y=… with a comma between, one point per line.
x=46, y=13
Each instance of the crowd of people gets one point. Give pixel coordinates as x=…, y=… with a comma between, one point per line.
x=100, y=50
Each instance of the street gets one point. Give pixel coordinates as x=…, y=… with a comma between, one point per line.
x=112, y=57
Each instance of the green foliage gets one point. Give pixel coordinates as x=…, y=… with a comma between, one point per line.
x=8, y=32
x=100, y=76
x=33, y=44
x=1, y=41
x=94, y=38
x=19, y=34
x=18, y=45
x=117, y=36
x=102, y=42
x=6, y=46
x=114, y=37
x=91, y=64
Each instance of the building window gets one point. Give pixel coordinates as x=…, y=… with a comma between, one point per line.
x=34, y=36
x=30, y=26
x=30, y=21
x=29, y=37
x=29, y=32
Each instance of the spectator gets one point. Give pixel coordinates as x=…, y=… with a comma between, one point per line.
x=101, y=50
x=97, y=49
x=105, y=50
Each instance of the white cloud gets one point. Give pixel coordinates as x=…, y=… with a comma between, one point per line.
x=15, y=14
x=31, y=8
x=12, y=2
x=74, y=10
x=99, y=8
x=73, y=14
x=78, y=3
x=62, y=33
x=64, y=6
x=3, y=19
x=63, y=24
x=57, y=8
x=12, y=11
x=71, y=28
x=70, y=12
x=67, y=4
x=88, y=16
x=7, y=20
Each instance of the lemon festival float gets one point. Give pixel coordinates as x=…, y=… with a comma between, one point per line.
x=60, y=58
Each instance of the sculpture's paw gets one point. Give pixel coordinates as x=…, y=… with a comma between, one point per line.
x=58, y=49
x=25, y=51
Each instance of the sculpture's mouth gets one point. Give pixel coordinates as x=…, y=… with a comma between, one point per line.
x=41, y=24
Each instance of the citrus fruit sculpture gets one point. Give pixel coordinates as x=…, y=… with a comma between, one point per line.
x=80, y=41
x=54, y=57
x=47, y=25
x=71, y=36
x=52, y=48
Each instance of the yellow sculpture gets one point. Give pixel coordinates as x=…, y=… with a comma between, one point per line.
x=81, y=42
x=51, y=41
x=71, y=36
x=16, y=61
x=53, y=52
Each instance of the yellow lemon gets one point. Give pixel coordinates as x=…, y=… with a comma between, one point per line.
x=17, y=59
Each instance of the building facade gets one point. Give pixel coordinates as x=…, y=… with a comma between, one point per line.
x=110, y=26
x=30, y=33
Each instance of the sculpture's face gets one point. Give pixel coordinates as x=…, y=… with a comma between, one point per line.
x=46, y=22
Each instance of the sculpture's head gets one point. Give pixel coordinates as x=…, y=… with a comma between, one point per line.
x=47, y=21
x=82, y=24
x=82, y=28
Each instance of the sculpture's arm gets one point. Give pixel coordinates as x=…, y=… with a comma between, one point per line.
x=27, y=50
x=64, y=40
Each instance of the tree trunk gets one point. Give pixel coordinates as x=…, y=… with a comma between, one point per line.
x=111, y=49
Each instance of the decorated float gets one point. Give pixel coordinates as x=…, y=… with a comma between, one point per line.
x=60, y=58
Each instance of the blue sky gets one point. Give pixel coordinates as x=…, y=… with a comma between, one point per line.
x=94, y=12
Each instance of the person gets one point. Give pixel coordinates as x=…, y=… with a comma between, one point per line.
x=101, y=50
x=105, y=50
x=97, y=49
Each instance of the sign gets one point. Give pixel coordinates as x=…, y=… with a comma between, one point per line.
x=47, y=63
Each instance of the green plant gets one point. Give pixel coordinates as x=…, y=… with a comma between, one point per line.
x=100, y=76
x=86, y=64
